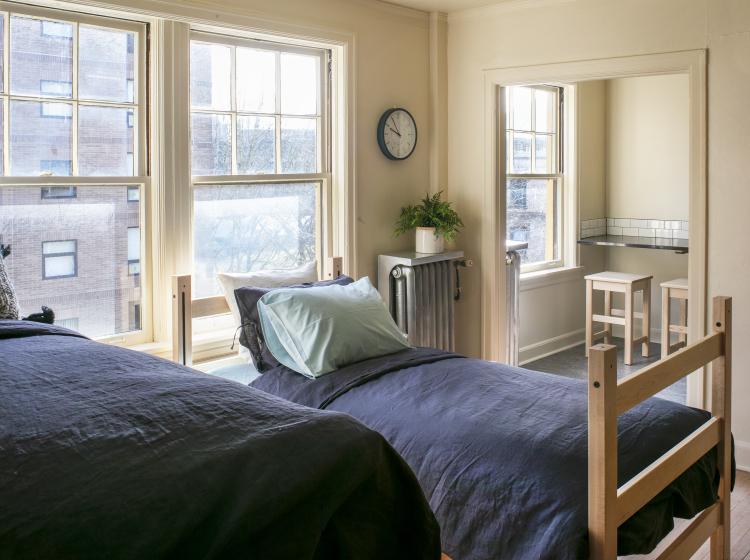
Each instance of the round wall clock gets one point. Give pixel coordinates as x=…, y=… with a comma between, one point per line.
x=397, y=134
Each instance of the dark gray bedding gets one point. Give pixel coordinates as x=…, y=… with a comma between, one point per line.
x=501, y=452
x=109, y=453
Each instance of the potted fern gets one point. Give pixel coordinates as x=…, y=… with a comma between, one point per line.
x=434, y=221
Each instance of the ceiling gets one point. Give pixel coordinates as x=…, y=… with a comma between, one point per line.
x=443, y=5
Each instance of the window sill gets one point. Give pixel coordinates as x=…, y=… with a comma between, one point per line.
x=550, y=277
x=207, y=346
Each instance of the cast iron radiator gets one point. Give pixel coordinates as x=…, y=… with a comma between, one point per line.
x=420, y=291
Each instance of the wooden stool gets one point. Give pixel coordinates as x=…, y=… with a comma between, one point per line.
x=627, y=284
x=677, y=289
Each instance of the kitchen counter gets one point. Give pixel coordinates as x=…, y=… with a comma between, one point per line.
x=665, y=243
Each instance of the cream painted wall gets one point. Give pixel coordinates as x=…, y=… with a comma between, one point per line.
x=647, y=171
x=553, y=31
x=647, y=147
x=391, y=50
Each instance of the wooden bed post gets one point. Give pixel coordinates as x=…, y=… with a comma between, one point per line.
x=182, y=324
x=602, y=460
x=721, y=407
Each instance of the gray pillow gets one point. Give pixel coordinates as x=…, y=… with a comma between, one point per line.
x=8, y=301
x=251, y=333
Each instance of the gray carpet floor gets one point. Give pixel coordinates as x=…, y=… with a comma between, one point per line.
x=573, y=363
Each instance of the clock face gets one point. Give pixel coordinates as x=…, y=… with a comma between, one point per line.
x=397, y=134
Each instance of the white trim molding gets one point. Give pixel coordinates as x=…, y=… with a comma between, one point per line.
x=693, y=64
x=742, y=455
x=544, y=348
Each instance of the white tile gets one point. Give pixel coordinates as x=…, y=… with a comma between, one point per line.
x=630, y=231
x=622, y=222
x=672, y=224
x=684, y=225
x=664, y=233
x=656, y=224
x=610, y=221
x=647, y=232
x=614, y=230
x=681, y=234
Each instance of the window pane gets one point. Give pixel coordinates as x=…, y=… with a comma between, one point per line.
x=545, y=110
x=52, y=247
x=532, y=216
x=211, y=144
x=98, y=218
x=256, y=145
x=299, y=145
x=521, y=97
x=105, y=138
x=134, y=243
x=40, y=138
x=59, y=266
x=105, y=64
x=241, y=228
x=544, y=154
x=40, y=51
x=210, y=76
x=521, y=162
x=256, y=81
x=299, y=84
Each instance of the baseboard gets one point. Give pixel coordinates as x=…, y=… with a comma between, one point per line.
x=550, y=346
x=742, y=455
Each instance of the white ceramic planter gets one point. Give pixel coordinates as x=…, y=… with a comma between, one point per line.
x=428, y=242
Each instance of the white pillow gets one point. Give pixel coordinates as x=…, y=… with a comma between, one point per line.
x=230, y=281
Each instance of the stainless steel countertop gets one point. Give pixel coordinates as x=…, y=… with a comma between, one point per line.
x=666, y=243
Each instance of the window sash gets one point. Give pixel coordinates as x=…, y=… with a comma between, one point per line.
x=321, y=116
x=138, y=105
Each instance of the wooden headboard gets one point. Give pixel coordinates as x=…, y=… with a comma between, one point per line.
x=185, y=309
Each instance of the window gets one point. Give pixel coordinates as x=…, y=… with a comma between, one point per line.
x=259, y=155
x=57, y=29
x=134, y=194
x=56, y=167
x=534, y=173
x=73, y=86
x=134, y=316
x=68, y=323
x=60, y=259
x=59, y=192
x=134, y=250
x=54, y=88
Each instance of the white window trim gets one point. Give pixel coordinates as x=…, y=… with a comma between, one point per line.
x=140, y=105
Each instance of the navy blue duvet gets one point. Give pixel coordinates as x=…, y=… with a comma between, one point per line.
x=110, y=453
x=501, y=452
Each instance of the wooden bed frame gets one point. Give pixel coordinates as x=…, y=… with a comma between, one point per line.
x=608, y=505
x=185, y=308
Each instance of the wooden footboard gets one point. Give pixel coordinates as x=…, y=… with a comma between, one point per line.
x=608, y=505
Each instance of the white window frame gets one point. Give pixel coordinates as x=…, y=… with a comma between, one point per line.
x=140, y=106
x=323, y=177
x=558, y=178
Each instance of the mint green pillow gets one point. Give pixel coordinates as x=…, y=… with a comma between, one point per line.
x=318, y=330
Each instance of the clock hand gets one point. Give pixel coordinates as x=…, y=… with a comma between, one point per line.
x=394, y=124
x=395, y=132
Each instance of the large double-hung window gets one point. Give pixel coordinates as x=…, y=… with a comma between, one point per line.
x=259, y=153
x=534, y=173
x=73, y=145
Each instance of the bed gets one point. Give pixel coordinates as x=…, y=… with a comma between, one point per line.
x=111, y=453
x=522, y=464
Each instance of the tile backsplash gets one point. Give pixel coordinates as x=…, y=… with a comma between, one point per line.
x=635, y=227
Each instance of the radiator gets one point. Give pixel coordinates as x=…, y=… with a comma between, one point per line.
x=419, y=291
